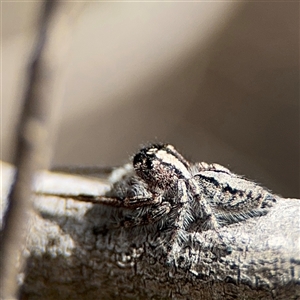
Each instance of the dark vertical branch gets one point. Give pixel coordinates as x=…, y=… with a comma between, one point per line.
x=34, y=137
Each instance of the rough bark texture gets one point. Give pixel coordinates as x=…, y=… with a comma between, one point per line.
x=71, y=254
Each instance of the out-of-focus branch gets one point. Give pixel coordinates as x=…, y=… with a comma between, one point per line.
x=29, y=156
x=73, y=255
x=35, y=135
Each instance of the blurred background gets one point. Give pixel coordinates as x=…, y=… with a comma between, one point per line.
x=219, y=80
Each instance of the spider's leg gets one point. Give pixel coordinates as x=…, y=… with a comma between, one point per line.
x=183, y=219
x=203, y=166
x=184, y=216
x=150, y=216
x=139, y=201
x=127, y=202
x=211, y=220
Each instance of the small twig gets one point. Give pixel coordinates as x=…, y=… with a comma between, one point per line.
x=31, y=133
x=36, y=131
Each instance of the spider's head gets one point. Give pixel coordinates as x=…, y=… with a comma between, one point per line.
x=160, y=165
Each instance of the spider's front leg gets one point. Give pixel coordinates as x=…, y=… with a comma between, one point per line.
x=190, y=196
x=149, y=215
x=184, y=217
x=123, y=202
x=140, y=201
x=204, y=208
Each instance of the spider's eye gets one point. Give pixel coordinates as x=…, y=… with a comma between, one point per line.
x=138, y=159
x=143, y=161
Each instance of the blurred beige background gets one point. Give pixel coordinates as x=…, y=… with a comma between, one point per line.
x=220, y=81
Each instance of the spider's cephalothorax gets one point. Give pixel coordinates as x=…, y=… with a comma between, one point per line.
x=170, y=180
x=160, y=165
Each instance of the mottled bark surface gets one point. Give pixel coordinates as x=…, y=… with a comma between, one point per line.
x=73, y=254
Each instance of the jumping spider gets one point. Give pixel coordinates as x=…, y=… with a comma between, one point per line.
x=164, y=188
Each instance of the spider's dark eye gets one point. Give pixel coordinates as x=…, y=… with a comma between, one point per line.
x=143, y=160
x=138, y=158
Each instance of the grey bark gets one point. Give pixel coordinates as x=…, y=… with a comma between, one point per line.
x=71, y=254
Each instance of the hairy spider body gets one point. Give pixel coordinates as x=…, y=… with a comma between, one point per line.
x=163, y=188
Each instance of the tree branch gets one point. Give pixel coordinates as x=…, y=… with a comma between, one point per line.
x=72, y=254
